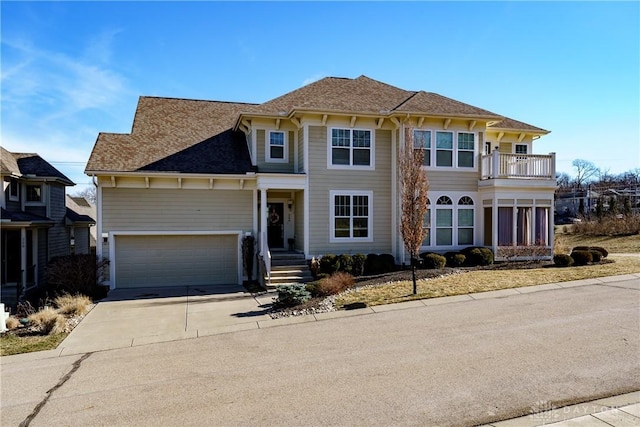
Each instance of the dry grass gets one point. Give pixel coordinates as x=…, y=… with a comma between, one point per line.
x=12, y=322
x=49, y=321
x=486, y=280
x=614, y=244
x=73, y=305
x=13, y=344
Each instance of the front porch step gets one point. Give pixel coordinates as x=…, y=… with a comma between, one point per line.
x=289, y=268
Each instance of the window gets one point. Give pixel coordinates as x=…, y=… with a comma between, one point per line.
x=277, y=147
x=466, y=148
x=521, y=149
x=542, y=226
x=465, y=221
x=422, y=141
x=351, y=216
x=505, y=226
x=426, y=226
x=444, y=221
x=444, y=148
x=34, y=193
x=14, y=189
x=523, y=227
x=351, y=147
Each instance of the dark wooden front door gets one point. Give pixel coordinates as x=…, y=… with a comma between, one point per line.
x=275, y=225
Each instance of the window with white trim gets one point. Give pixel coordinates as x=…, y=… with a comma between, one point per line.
x=444, y=221
x=34, y=193
x=422, y=141
x=426, y=226
x=351, y=216
x=466, y=216
x=351, y=147
x=466, y=149
x=444, y=148
x=521, y=148
x=14, y=189
x=277, y=147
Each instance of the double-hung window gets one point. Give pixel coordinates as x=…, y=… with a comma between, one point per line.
x=351, y=216
x=422, y=141
x=466, y=147
x=426, y=226
x=34, y=193
x=351, y=147
x=465, y=221
x=444, y=221
x=444, y=148
x=14, y=189
x=276, y=147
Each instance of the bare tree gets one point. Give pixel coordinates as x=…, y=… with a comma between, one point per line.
x=88, y=193
x=415, y=189
x=585, y=171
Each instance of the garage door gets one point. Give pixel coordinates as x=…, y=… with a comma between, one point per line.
x=143, y=261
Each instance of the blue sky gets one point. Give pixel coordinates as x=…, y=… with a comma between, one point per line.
x=73, y=69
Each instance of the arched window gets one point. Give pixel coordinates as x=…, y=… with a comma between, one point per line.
x=444, y=221
x=466, y=215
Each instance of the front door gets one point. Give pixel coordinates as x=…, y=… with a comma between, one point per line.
x=11, y=256
x=275, y=225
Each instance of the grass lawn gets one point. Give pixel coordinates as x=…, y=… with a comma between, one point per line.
x=614, y=244
x=11, y=343
x=486, y=280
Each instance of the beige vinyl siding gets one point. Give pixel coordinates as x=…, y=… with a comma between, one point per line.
x=300, y=142
x=323, y=180
x=167, y=209
x=299, y=224
x=453, y=180
x=263, y=165
x=506, y=147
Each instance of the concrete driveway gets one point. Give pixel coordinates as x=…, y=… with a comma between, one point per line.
x=130, y=317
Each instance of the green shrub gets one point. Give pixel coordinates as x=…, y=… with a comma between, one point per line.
x=562, y=260
x=372, y=264
x=596, y=256
x=291, y=295
x=433, y=261
x=603, y=252
x=331, y=285
x=76, y=274
x=358, y=264
x=477, y=256
x=328, y=264
x=581, y=257
x=455, y=259
x=344, y=263
x=388, y=263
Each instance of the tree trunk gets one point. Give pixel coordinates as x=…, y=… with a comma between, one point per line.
x=413, y=274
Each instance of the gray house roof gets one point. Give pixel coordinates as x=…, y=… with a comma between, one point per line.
x=30, y=165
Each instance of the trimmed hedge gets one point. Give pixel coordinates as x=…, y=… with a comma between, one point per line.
x=358, y=262
x=595, y=255
x=433, y=261
x=603, y=251
x=581, y=257
x=477, y=256
x=455, y=259
x=328, y=264
x=562, y=260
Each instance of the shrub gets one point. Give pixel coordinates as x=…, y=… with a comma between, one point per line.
x=433, y=261
x=314, y=267
x=603, y=252
x=596, y=256
x=328, y=264
x=11, y=322
x=562, y=260
x=455, y=259
x=477, y=256
x=72, y=305
x=372, y=264
x=331, y=285
x=291, y=295
x=345, y=263
x=76, y=274
x=388, y=263
x=358, y=264
x=581, y=257
x=48, y=321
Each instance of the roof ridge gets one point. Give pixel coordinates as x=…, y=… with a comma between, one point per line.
x=170, y=98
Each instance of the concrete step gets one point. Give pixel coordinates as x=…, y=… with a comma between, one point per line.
x=291, y=267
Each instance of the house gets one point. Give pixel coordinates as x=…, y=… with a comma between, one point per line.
x=315, y=169
x=80, y=217
x=36, y=225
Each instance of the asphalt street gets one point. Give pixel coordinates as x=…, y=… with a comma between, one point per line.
x=456, y=364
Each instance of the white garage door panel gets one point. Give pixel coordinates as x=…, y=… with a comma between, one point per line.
x=176, y=260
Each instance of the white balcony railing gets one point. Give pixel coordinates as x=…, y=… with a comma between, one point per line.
x=520, y=166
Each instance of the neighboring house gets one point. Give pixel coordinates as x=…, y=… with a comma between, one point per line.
x=81, y=214
x=317, y=169
x=36, y=225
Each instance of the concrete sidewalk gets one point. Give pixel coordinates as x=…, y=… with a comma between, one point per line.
x=616, y=411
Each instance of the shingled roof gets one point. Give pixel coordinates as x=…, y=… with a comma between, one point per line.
x=193, y=136
x=166, y=127
x=32, y=164
x=514, y=125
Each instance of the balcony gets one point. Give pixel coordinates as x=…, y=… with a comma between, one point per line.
x=518, y=166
